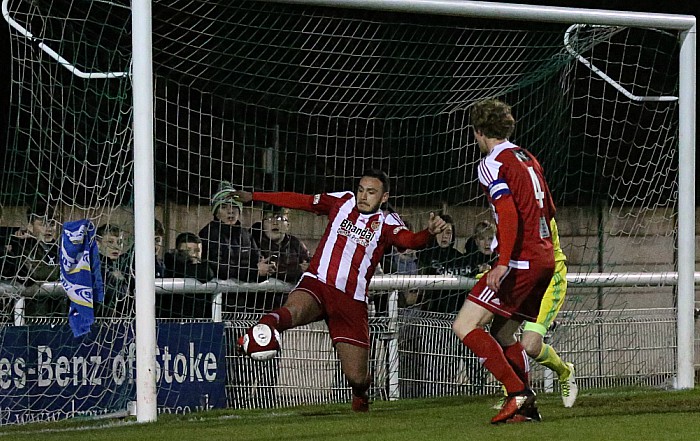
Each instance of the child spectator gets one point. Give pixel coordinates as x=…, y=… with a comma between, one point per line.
x=227, y=244
x=478, y=254
x=442, y=258
x=32, y=252
x=116, y=272
x=32, y=258
x=186, y=260
x=403, y=262
x=231, y=249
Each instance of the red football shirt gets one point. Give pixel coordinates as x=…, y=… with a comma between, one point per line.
x=353, y=243
x=511, y=171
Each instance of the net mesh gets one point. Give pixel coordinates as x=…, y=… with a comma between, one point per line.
x=289, y=98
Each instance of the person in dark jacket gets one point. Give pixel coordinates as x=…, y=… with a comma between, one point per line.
x=117, y=273
x=185, y=261
x=33, y=251
x=478, y=255
x=276, y=244
x=32, y=257
x=286, y=251
x=231, y=250
x=228, y=245
x=442, y=258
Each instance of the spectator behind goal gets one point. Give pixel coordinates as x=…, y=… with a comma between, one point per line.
x=276, y=244
x=32, y=251
x=229, y=246
x=185, y=261
x=116, y=272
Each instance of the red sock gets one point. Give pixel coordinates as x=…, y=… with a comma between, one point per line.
x=483, y=345
x=280, y=319
x=516, y=356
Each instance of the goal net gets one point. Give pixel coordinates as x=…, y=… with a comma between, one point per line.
x=275, y=97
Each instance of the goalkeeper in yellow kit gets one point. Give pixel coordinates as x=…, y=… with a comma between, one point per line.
x=533, y=333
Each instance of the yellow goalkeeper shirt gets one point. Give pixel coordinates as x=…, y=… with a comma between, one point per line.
x=559, y=255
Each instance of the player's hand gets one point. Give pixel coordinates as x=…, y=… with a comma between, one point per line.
x=242, y=196
x=436, y=224
x=494, y=277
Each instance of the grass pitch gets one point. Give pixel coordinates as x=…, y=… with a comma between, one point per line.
x=609, y=415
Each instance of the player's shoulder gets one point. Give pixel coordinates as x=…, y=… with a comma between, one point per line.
x=393, y=224
x=508, y=151
x=393, y=219
x=336, y=197
x=341, y=194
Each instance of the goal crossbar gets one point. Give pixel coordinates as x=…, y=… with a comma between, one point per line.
x=516, y=12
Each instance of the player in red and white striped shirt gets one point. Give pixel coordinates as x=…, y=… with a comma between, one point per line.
x=334, y=288
x=511, y=292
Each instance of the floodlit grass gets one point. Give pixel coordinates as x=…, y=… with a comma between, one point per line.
x=636, y=414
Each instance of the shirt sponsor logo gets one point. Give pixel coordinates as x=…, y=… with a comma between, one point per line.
x=359, y=235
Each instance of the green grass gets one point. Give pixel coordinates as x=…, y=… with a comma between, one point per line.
x=631, y=414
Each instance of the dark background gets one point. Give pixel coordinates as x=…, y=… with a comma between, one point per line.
x=675, y=7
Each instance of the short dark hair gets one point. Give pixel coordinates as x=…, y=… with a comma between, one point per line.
x=105, y=229
x=493, y=118
x=378, y=174
x=158, y=229
x=448, y=219
x=186, y=237
x=39, y=212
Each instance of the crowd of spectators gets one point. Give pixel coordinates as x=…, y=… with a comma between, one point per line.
x=225, y=250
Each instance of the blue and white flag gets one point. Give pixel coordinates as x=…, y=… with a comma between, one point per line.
x=80, y=274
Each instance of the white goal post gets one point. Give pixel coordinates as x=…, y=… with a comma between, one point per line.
x=144, y=198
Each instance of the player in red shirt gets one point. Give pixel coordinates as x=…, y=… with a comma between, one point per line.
x=334, y=288
x=511, y=292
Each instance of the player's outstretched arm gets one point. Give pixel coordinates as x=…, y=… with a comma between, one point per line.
x=403, y=238
x=287, y=199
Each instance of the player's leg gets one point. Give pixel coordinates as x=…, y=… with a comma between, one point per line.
x=533, y=336
x=469, y=328
x=302, y=307
x=348, y=325
x=354, y=361
x=504, y=331
x=548, y=357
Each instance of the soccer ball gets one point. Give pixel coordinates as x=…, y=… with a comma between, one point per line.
x=261, y=342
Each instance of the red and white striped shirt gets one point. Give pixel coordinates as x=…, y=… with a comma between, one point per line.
x=353, y=243
x=511, y=171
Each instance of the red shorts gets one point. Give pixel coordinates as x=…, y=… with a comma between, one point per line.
x=519, y=296
x=346, y=317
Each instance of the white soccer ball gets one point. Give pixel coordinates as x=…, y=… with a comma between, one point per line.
x=261, y=342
